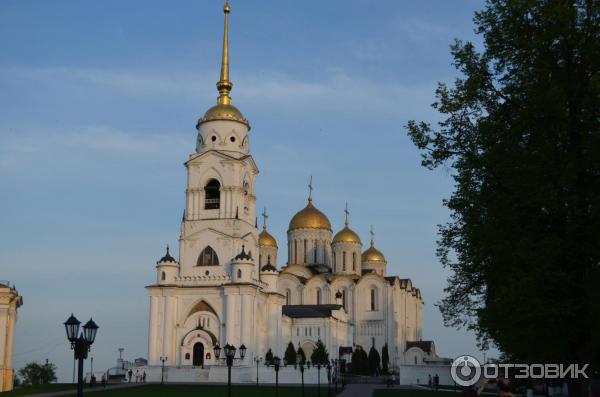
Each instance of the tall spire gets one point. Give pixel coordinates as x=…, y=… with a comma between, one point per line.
x=224, y=86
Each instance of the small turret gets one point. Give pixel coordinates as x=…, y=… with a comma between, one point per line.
x=167, y=269
x=269, y=276
x=242, y=267
x=346, y=250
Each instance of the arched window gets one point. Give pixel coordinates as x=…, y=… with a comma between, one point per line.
x=373, y=299
x=212, y=195
x=318, y=297
x=354, y=261
x=344, y=261
x=268, y=258
x=295, y=251
x=288, y=297
x=208, y=257
x=239, y=273
x=344, y=299
x=164, y=276
x=315, y=254
x=305, y=251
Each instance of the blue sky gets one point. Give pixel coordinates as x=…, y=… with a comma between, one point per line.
x=98, y=103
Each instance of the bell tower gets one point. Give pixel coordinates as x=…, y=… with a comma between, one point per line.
x=220, y=198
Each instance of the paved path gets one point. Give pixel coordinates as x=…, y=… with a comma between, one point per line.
x=86, y=390
x=367, y=389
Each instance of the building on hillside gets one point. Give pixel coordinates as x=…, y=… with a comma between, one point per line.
x=228, y=286
x=10, y=301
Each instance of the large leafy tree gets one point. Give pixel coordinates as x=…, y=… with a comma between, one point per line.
x=521, y=133
x=34, y=374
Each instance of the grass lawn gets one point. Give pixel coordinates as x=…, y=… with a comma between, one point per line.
x=210, y=391
x=25, y=391
x=392, y=392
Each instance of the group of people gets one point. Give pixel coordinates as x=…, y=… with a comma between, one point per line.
x=434, y=382
x=139, y=377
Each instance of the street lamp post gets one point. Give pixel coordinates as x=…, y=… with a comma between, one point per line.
x=319, y=379
x=80, y=345
x=229, y=351
x=328, y=379
x=277, y=362
x=302, y=375
x=162, y=370
x=257, y=360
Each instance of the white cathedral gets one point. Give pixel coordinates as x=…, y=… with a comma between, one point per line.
x=231, y=285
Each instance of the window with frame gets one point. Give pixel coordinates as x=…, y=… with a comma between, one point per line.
x=305, y=251
x=318, y=297
x=344, y=261
x=373, y=299
x=212, y=195
x=315, y=253
x=354, y=261
x=208, y=257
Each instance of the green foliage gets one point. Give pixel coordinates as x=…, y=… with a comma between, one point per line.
x=301, y=355
x=521, y=132
x=374, y=361
x=320, y=354
x=385, y=359
x=360, y=362
x=269, y=358
x=290, y=354
x=34, y=374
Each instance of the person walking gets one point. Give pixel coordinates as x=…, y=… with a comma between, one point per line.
x=144, y=377
x=436, y=382
x=130, y=373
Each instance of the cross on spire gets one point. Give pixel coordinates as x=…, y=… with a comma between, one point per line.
x=347, y=212
x=372, y=233
x=310, y=189
x=265, y=217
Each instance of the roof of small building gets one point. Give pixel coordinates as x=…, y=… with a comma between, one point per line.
x=167, y=257
x=243, y=255
x=425, y=345
x=309, y=311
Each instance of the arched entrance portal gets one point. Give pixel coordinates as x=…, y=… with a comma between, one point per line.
x=198, y=359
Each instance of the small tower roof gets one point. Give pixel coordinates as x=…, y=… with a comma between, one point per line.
x=264, y=238
x=167, y=257
x=346, y=235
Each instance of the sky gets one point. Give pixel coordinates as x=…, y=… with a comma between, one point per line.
x=98, y=106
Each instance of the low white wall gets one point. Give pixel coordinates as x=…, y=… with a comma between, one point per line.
x=239, y=374
x=419, y=374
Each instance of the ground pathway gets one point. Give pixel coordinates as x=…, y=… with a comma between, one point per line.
x=86, y=390
x=366, y=389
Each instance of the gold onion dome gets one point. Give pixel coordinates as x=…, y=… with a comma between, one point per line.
x=372, y=254
x=266, y=240
x=346, y=235
x=310, y=218
x=224, y=110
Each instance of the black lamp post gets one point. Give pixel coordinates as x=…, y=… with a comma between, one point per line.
x=302, y=375
x=328, y=379
x=318, y=379
x=277, y=362
x=162, y=370
x=229, y=351
x=81, y=345
x=257, y=361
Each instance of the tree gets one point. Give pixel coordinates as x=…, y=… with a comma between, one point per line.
x=385, y=359
x=269, y=358
x=521, y=134
x=290, y=354
x=360, y=361
x=320, y=354
x=34, y=374
x=301, y=355
x=374, y=361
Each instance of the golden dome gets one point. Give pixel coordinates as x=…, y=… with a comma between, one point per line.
x=372, y=255
x=222, y=111
x=266, y=240
x=310, y=218
x=346, y=235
